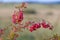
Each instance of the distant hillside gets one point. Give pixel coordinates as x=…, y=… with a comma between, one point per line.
x=44, y=2
x=34, y=2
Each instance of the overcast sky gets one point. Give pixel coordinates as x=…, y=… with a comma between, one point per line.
x=29, y=0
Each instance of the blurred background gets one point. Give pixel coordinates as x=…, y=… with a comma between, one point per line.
x=45, y=9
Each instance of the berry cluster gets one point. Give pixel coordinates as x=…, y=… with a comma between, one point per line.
x=35, y=26
x=43, y=24
x=46, y=25
x=17, y=17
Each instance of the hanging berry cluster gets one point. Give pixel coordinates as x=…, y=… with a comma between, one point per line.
x=43, y=24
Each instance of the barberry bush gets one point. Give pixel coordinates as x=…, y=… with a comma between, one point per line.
x=18, y=25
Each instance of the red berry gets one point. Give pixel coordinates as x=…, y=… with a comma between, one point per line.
x=45, y=24
x=31, y=29
x=13, y=18
x=20, y=16
x=39, y=25
x=34, y=28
